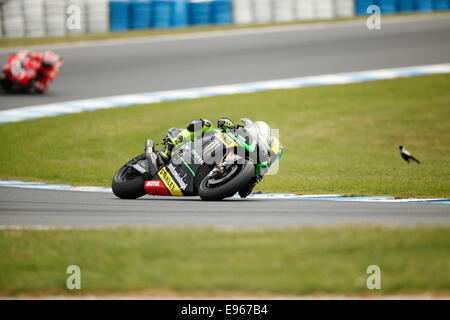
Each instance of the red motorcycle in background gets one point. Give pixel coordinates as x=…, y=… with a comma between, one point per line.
x=30, y=71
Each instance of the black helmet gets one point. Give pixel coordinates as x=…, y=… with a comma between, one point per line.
x=225, y=123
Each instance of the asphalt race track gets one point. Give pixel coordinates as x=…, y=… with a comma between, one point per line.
x=179, y=62
x=43, y=208
x=133, y=66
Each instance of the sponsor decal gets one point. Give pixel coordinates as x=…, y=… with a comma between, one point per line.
x=197, y=158
x=276, y=147
x=241, y=138
x=227, y=141
x=156, y=187
x=153, y=183
x=242, y=143
x=174, y=172
x=210, y=147
x=169, y=183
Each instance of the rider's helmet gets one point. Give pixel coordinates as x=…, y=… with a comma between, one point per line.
x=225, y=123
x=29, y=60
x=49, y=59
x=276, y=149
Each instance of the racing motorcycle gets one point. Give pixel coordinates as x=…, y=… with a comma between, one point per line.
x=215, y=166
x=28, y=71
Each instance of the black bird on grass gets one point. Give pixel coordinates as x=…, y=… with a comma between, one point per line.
x=406, y=155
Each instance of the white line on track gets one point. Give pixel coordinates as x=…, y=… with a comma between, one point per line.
x=266, y=196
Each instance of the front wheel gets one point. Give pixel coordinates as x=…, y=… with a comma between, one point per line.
x=5, y=84
x=127, y=182
x=214, y=189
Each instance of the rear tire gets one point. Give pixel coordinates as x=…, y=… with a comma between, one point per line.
x=127, y=182
x=247, y=171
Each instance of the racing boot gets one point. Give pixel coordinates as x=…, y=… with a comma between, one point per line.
x=247, y=190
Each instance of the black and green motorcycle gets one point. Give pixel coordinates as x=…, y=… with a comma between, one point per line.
x=215, y=166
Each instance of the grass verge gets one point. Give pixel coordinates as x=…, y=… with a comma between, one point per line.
x=337, y=139
x=16, y=42
x=291, y=261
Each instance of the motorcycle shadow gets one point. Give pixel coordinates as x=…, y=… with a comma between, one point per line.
x=186, y=198
x=18, y=93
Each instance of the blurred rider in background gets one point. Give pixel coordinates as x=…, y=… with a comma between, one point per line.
x=31, y=71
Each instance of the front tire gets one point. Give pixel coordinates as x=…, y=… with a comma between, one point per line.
x=5, y=84
x=127, y=182
x=229, y=188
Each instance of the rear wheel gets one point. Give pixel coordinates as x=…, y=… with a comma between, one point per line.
x=226, y=185
x=127, y=182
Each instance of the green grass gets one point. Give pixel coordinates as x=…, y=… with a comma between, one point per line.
x=14, y=42
x=290, y=261
x=337, y=139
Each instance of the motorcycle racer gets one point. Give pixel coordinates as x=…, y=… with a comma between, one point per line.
x=202, y=161
x=198, y=127
x=32, y=71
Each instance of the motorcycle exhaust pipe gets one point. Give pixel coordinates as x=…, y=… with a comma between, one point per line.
x=148, y=147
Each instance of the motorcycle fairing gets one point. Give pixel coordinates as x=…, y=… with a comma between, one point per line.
x=178, y=175
x=156, y=188
x=220, y=140
x=169, y=181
